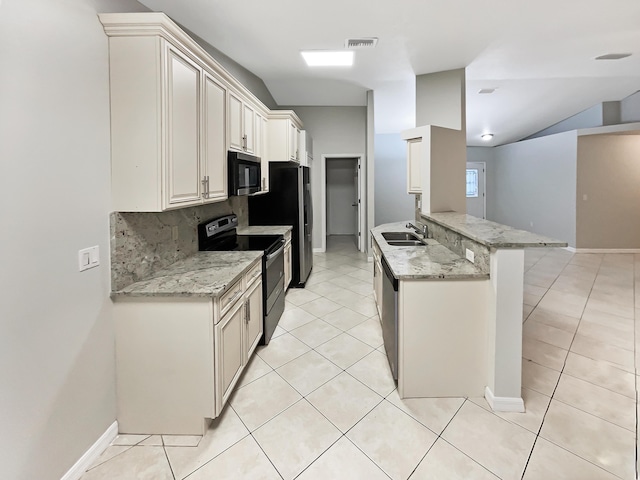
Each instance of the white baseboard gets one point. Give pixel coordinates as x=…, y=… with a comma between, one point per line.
x=504, y=404
x=90, y=456
x=571, y=249
x=318, y=250
x=607, y=250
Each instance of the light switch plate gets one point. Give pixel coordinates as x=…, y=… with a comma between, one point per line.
x=88, y=258
x=470, y=255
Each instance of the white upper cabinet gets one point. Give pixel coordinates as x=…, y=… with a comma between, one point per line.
x=261, y=149
x=175, y=112
x=183, y=110
x=305, y=147
x=214, y=150
x=242, y=125
x=284, y=131
x=414, y=165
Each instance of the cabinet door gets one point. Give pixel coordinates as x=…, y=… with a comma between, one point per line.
x=249, y=130
x=254, y=318
x=414, y=165
x=214, y=150
x=229, y=347
x=293, y=142
x=235, y=123
x=287, y=265
x=183, y=111
x=264, y=157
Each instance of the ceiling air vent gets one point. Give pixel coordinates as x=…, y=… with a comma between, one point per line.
x=613, y=56
x=486, y=91
x=366, y=42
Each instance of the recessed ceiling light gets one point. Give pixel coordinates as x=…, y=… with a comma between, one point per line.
x=613, y=56
x=486, y=90
x=328, y=58
x=486, y=136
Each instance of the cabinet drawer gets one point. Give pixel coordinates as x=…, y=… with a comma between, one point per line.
x=230, y=297
x=254, y=273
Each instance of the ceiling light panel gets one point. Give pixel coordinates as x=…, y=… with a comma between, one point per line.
x=328, y=58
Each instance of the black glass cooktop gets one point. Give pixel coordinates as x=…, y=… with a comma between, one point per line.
x=232, y=242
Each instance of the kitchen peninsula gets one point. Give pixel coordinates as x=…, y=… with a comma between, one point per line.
x=459, y=323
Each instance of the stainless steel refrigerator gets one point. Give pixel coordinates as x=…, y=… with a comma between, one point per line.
x=288, y=203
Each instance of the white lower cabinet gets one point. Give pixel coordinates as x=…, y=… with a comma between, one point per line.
x=179, y=358
x=253, y=318
x=229, y=348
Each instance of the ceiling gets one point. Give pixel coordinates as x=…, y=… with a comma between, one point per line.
x=539, y=56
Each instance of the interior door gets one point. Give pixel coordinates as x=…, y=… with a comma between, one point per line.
x=476, y=200
x=357, y=203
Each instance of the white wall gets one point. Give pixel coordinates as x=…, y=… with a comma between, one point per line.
x=591, y=117
x=534, y=182
x=56, y=335
x=630, y=108
x=335, y=130
x=392, y=202
x=341, y=193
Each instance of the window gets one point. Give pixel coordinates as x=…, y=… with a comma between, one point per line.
x=472, y=182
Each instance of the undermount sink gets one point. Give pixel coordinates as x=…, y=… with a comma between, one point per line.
x=403, y=236
x=406, y=243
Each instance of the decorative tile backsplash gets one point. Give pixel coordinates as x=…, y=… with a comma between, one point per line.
x=143, y=243
x=454, y=241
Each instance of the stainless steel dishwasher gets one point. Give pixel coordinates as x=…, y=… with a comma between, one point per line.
x=390, y=316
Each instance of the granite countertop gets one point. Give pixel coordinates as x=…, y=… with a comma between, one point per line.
x=491, y=234
x=264, y=230
x=434, y=261
x=205, y=274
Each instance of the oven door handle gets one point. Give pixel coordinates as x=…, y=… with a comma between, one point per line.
x=276, y=253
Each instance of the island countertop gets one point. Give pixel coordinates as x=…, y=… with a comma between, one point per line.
x=205, y=274
x=491, y=234
x=431, y=262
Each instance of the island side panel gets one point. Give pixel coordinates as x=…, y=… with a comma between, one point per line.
x=505, y=331
x=442, y=338
x=164, y=365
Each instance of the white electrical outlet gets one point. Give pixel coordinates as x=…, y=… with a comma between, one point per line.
x=470, y=255
x=88, y=258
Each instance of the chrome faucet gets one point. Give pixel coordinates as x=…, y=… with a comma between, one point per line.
x=424, y=232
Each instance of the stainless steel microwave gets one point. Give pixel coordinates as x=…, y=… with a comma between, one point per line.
x=245, y=176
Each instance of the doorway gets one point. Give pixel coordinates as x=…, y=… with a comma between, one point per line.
x=476, y=185
x=342, y=193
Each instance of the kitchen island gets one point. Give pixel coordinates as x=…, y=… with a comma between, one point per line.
x=460, y=323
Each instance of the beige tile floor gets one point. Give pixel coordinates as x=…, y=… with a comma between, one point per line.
x=319, y=403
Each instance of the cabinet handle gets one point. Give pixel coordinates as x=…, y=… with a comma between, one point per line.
x=232, y=299
x=247, y=312
x=263, y=182
x=244, y=142
x=205, y=186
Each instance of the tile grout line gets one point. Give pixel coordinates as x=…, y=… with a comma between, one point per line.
x=439, y=436
x=563, y=366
